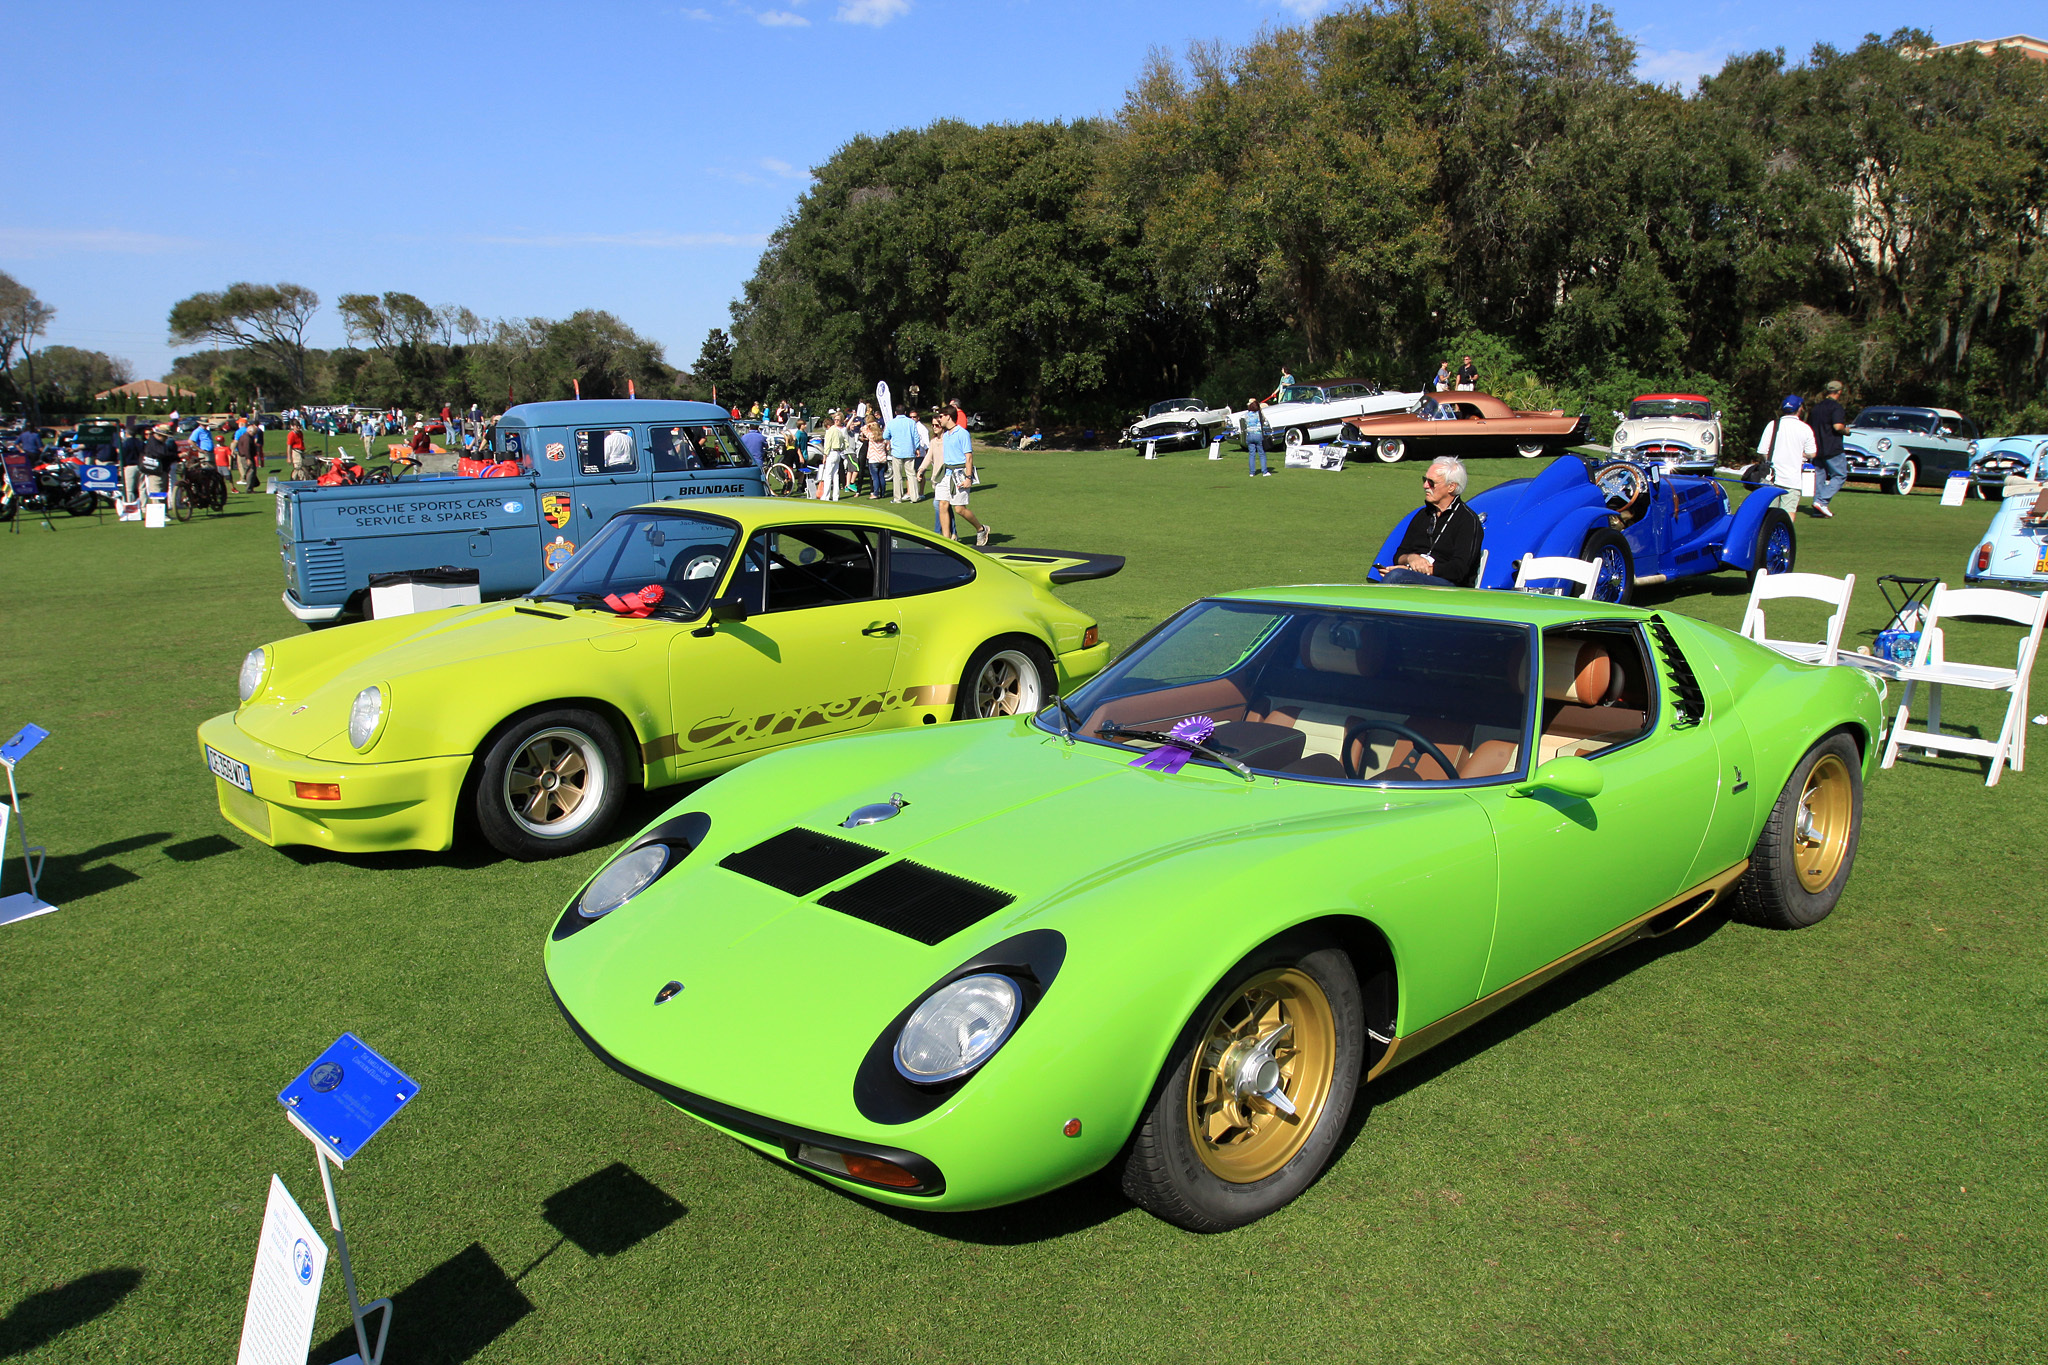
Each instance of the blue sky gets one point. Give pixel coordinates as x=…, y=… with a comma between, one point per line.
x=532, y=159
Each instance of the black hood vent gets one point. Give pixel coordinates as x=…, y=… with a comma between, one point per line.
x=800, y=861
x=917, y=901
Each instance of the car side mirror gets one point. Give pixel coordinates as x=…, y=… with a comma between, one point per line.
x=729, y=609
x=1567, y=776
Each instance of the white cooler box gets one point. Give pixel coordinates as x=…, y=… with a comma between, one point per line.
x=402, y=594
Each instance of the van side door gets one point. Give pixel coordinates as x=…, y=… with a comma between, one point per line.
x=612, y=473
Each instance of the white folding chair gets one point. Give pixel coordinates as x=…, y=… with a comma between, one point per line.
x=1931, y=666
x=1584, y=572
x=1833, y=592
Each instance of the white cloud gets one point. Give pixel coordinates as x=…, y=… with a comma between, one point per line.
x=63, y=241
x=1683, y=69
x=1306, y=9
x=661, y=240
x=872, y=12
x=783, y=169
x=782, y=18
x=700, y=15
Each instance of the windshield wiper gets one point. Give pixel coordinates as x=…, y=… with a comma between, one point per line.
x=1066, y=716
x=1176, y=742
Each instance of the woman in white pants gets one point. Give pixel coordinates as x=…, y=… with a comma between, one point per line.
x=833, y=476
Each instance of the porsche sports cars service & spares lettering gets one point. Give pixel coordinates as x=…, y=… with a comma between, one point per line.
x=418, y=511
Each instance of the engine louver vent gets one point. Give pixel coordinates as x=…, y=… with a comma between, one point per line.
x=917, y=901
x=800, y=861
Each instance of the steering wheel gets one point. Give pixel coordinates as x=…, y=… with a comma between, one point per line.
x=1622, y=483
x=1394, y=727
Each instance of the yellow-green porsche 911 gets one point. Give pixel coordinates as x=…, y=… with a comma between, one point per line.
x=676, y=643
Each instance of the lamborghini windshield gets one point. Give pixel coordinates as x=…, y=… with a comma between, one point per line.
x=681, y=553
x=1318, y=694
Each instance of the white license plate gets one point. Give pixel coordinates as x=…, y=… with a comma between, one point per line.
x=229, y=770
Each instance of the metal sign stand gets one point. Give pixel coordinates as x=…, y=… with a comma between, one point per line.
x=22, y=904
x=357, y=1311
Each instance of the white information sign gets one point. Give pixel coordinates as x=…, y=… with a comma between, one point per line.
x=1956, y=489
x=153, y=513
x=1216, y=449
x=1151, y=450
x=284, y=1293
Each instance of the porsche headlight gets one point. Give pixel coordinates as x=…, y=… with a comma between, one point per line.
x=626, y=877
x=255, y=665
x=957, y=1028
x=365, y=716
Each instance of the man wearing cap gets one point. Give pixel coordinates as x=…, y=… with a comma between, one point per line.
x=1828, y=421
x=1787, y=443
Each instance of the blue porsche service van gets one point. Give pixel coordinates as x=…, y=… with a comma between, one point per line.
x=578, y=462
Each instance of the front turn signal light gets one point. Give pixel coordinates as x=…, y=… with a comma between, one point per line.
x=317, y=791
x=873, y=1169
x=1090, y=638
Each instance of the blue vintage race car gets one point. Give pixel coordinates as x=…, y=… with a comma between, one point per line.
x=1641, y=523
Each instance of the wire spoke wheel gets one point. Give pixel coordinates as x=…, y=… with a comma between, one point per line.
x=554, y=782
x=1262, y=1075
x=1820, y=837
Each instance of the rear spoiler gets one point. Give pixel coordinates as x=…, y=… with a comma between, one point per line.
x=1053, y=567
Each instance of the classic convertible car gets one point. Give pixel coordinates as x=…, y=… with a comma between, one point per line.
x=2015, y=457
x=1302, y=413
x=680, y=640
x=1292, y=838
x=1177, y=422
x=1682, y=430
x=1462, y=424
x=1641, y=524
x=1897, y=448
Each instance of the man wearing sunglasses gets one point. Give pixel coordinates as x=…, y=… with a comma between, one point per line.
x=1441, y=545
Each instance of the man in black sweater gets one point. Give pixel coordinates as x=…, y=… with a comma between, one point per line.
x=1441, y=545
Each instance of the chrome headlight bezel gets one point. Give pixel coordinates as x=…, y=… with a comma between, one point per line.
x=254, y=675
x=623, y=878
x=366, y=717
x=932, y=1013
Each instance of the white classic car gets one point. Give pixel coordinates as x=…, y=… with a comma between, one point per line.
x=1302, y=413
x=1177, y=422
x=1678, y=429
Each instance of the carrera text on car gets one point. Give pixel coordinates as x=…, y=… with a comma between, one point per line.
x=1293, y=837
x=680, y=640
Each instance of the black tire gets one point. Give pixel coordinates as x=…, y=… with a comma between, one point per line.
x=1609, y=548
x=183, y=511
x=1208, y=1185
x=81, y=504
x=519, y=810
x=1005, y=677
x=1777, y=544
x=1529, y=450
x=1803, y=858
x=1902, y=483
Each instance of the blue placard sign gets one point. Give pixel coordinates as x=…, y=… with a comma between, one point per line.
x=101, y=478
x=16, y=749
x=347, y=1094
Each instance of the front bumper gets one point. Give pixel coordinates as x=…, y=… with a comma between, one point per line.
x=409, y=804
x=1175, y=436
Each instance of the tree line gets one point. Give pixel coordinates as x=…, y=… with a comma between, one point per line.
x=1410, y=180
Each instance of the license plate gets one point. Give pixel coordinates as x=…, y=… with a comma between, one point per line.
x=2041, y=563
x=232, y=771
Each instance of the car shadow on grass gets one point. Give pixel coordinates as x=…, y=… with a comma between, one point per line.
x=49, y=1313
x=1532, y=1009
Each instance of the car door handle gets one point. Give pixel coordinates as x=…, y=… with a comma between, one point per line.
x=880, y=628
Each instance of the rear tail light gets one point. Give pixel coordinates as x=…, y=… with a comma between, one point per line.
x=317, y=791
x=871, y=1169
x=1983, y=556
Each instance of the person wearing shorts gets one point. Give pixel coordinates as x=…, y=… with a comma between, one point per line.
x=952, y=464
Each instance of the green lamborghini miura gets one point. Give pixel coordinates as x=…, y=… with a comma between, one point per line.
x=1293, y=837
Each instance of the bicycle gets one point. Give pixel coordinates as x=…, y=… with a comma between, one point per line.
x=205, y=488
x=781, y=481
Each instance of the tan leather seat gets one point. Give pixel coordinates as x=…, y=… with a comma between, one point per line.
x=1581, y=680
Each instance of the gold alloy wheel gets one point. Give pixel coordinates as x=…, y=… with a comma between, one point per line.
x=1008, y=685
x=1262, y=1076
x=1820, y=834
x=554, y=782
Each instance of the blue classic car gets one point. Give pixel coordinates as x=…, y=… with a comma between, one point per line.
x=2014, y=457
x=1897, y=448
x=1640, y=523
x=2013, y=552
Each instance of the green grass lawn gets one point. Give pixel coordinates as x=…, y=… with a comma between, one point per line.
x=1728, y=1144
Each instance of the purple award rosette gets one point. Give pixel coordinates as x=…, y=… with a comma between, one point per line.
x=1171, y=757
